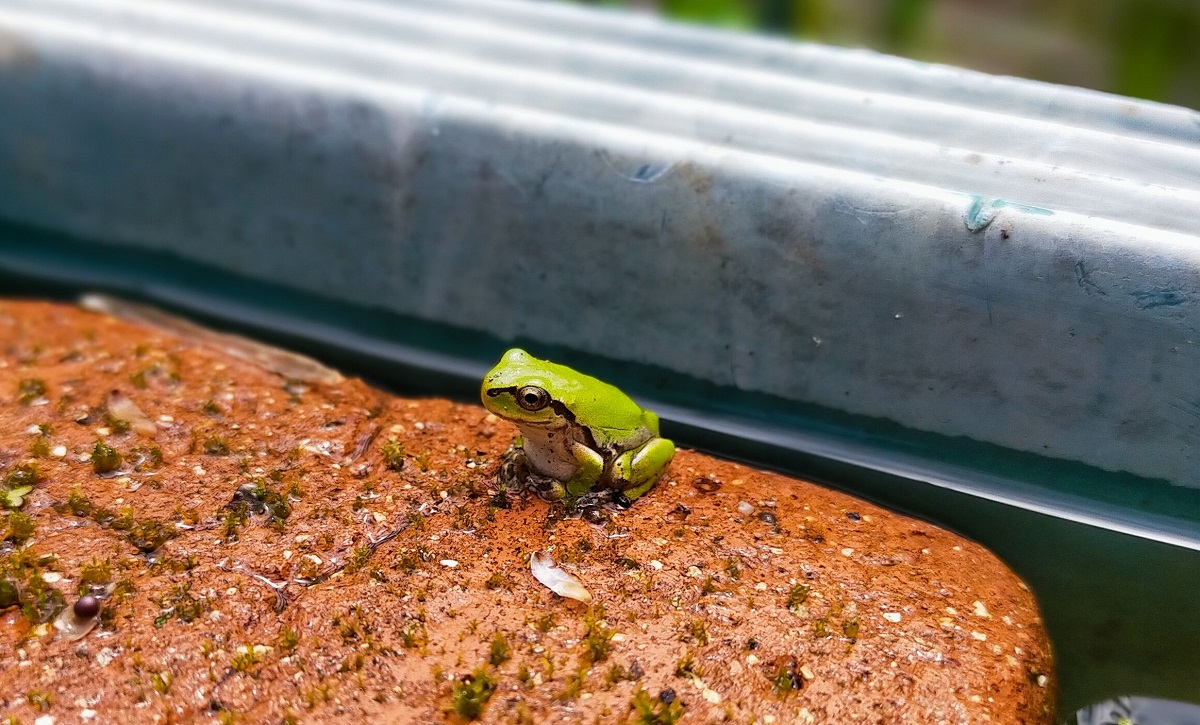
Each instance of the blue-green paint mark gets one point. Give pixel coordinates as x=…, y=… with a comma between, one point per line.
x=982, y=211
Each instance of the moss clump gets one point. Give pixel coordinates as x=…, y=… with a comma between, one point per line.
x=148, y=459
x=359, y=556
x=616, y=674
x=796, y=597
x=216, y=446
x=233, y=518
x=786, y=677
x=79, y=504
x=255, y=498
x=498, y=580
x=105, y=458
x=30, y=389
x=40, y=447
x=180, y=604
x=21, y=584
x=597, y=636
x=19, y=527
x=393, y=454
x=666, y=709
x=97, y=573
x=162, y=681
x=414, y=636
x=697, y=632
x=850, y=629
x=470, y=694
x=574, y=684
x=149, y=534
x=245, y=660
x=289, y=639
x=40, y=700
x=500, y=652
x=686, y=666
x=24, y=474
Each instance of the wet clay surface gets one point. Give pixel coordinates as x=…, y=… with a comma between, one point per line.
x=388, y=595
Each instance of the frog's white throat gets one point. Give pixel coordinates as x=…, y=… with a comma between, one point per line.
x=548, y=449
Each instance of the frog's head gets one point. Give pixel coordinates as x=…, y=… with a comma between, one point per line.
x=523, y=389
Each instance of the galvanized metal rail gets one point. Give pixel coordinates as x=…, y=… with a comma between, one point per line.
x=905, y=277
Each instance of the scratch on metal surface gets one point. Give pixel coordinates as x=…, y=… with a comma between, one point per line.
x=645, y=173
x=1159, y=297
x=1084, y=280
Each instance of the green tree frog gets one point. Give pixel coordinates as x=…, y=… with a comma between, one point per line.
x=579, y=432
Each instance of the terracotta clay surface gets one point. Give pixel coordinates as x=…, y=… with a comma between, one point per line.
x=406, y=595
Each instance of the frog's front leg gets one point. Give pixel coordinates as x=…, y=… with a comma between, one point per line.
x=636, y=471
x=591, y=468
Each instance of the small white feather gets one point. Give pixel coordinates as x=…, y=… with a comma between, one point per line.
x=559, y=581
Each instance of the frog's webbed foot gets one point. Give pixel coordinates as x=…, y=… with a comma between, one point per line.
x=514, y=469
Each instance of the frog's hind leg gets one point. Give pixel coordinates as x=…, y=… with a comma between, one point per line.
x=641, y=468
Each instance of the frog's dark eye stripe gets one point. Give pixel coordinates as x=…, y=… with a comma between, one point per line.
x=532, y=398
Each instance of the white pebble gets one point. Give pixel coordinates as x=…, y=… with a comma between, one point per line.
x=979, y=636
x=980, y=610
x=59, y=451
x=87, y=714
x=745, y=508
x=44, y=720
x=892, y=616
x=449, y=563
x=847, y=551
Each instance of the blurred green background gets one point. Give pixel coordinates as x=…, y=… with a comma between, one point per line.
x=1144, y=48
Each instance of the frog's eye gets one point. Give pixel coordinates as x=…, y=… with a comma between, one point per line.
x=532, y=397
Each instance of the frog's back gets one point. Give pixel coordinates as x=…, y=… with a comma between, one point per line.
x=613, y=416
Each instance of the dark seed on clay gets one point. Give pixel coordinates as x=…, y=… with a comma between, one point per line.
x=767, y=517
x=853, y=516
x=620, y=500
x=667, y=696
x=87, y=607
x=679, y=513
x=593, y=515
